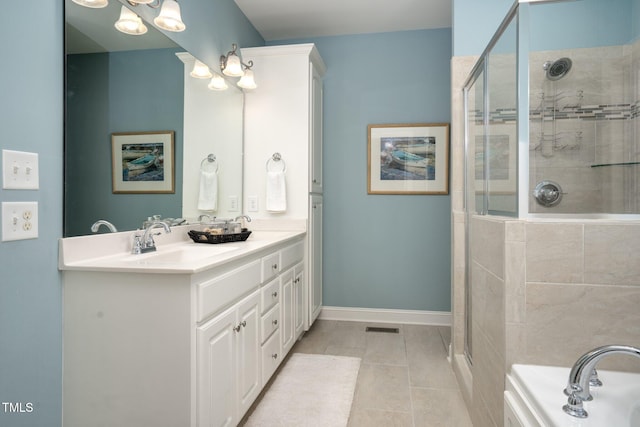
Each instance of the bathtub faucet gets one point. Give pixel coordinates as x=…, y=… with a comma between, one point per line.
x=582, y=374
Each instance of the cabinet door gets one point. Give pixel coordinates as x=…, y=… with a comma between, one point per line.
x=316, y=131
x=249, y=352
x=315, y=259
x=216, y=366
x=286, y=305
x=298, y=300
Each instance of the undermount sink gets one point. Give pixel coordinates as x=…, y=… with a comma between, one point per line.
x=186, y=253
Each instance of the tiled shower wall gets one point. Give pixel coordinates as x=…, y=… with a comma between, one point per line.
x=544, y=292
x=583, y=123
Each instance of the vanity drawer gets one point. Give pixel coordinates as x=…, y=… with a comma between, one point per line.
x=222, y=291
x=291, y=255
x=270, y=323
x=270, y=266
x=271, y=357
x=270, y=295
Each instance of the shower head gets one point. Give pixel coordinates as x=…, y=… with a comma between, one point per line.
x=557, y=69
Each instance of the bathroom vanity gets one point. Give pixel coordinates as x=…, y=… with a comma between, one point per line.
x=185, y=336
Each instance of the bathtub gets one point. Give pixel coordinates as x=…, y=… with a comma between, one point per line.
x=534, y=397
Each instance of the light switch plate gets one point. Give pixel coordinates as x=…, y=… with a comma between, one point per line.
x=19, y=220
x=20, y=170
x=252, y=203
x=233, y=204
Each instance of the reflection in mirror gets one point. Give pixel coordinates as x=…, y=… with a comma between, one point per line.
x=119, y=83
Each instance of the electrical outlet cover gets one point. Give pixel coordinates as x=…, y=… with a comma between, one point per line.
x=19, y=220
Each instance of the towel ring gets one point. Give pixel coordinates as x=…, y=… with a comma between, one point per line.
x=209, y=164
x=276, y=158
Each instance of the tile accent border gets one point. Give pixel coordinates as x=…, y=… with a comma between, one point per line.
x=380, y=315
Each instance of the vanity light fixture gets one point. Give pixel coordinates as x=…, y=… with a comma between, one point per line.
x=94, y=4
x=232, y=66
x=247, y=81
x=217, y=83
x=130, y=23
x=200, y=71
x=169, y=18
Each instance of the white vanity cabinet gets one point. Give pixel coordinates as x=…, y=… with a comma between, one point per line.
x=191, y=348
x=228, y=363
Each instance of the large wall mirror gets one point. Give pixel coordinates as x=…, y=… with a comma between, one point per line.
x=123, y=84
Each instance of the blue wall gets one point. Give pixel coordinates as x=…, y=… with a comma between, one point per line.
x=570, y=24
x=31, y=107
x=382, y=251
x=132, y=91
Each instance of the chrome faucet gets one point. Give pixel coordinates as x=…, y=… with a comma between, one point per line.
x=96, y=225
x=209, y=218
x=246, y=217
x=583, y=374
x=146, y=243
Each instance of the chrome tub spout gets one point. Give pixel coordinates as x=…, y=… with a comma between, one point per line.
x=582, y=375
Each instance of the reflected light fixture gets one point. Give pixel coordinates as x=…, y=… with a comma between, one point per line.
x=217, y=83
x=95, y=4
x=130, y=23
x=169, y=18
x=232, y=66
x=200, y=71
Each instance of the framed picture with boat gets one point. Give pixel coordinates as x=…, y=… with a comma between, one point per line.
x=143, y=162
x=408, y=158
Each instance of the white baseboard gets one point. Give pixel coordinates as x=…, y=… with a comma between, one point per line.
x=381, y=315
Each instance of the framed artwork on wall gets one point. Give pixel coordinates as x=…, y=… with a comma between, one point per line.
x=143, y=162
x=408, y=158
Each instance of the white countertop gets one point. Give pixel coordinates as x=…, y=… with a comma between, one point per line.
x=176, y=253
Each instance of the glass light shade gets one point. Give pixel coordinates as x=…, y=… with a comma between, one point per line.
x=130, y=23
x=233, y=67
x=95, y=4
x=217, y=83
x=200, y=71
x=143, y=1
x=169, y=18
x=247, y=81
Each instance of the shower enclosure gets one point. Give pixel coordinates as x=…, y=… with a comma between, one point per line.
x=551, y=118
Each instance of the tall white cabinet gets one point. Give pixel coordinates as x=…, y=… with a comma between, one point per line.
x=284, y=115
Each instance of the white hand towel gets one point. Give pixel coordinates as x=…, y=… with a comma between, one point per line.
x=276, y=192
x=208, y=198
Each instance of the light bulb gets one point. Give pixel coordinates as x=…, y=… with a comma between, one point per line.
x=217, y=83
x=169, y=18
x=247, y=81
x=130, y=23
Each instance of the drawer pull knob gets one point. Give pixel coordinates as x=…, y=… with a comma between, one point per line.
x=274, y=266
x=275, y=294
x=275, y=321
x=274, y=355
x=237, y=328
x=244, y=323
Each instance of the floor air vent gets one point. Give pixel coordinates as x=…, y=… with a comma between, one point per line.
x=378, y=329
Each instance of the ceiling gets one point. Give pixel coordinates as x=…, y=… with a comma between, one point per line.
x=294, y=19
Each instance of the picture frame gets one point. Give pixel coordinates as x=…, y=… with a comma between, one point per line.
x=408, y=158
x=143, y=162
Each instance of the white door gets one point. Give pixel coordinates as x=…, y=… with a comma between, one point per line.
x=315, y=258
x=249, y=361
x=286, y=330
x=216, y=367
x=298, y=300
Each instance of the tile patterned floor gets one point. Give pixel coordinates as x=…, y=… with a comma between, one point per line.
x=404, y=379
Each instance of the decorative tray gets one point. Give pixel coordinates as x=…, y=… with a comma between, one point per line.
x=207, y=237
